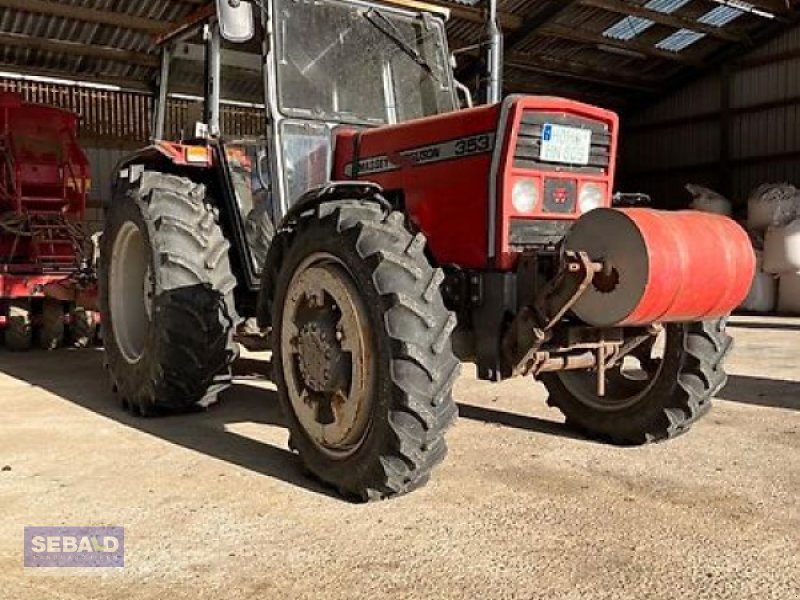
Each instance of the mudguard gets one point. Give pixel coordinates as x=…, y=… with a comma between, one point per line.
x=331, y=192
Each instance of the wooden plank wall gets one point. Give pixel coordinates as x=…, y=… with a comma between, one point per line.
x=115, y=122
x=122, y=119
x=108, y=117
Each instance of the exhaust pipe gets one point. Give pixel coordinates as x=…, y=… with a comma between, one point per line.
x=494, y=58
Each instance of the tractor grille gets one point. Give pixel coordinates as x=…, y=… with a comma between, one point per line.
x=529, y=143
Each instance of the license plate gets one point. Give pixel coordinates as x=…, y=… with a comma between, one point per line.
x=568, y=145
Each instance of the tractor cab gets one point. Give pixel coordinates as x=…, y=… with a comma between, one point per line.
x=267, y=106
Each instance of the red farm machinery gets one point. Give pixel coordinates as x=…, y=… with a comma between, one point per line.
x=378, y=235
x=44, y=181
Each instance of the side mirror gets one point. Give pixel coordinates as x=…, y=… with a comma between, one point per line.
x=236, y=22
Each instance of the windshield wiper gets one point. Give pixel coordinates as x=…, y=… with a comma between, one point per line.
x=385, y=25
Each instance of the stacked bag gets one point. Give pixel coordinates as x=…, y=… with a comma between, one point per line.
x=707, y=200
x=763, y=292
x=773, y=219
x=773, y=222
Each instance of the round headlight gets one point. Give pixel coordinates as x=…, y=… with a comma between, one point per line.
x=525, y=195
x=592, y=196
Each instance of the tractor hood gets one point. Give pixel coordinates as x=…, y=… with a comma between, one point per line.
x=455, y=174
x=438, y=169
x=385, y=152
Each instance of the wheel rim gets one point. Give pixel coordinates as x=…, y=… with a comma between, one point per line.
x=327, y=355
x=626, y=384
x=131, y=291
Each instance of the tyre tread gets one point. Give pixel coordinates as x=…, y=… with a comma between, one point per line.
x=700, y=376
x=422, y=367
x=194, y=300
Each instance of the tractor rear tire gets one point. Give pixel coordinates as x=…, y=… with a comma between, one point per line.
x=166, y=296
x=679, y=393
x=392, y=333
x=51, y=332
x=82, y=327
x=19, y=327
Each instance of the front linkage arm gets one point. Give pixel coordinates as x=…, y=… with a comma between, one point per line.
x=529, y=346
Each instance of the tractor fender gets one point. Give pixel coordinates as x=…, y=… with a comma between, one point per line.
x=163, y=156
x=307, y=204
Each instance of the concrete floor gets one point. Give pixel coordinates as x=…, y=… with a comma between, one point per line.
x=214, y=506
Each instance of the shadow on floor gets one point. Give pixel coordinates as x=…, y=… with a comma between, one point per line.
x=80, y=379
x=759, y=391
x=517, y=421
x=775, y=326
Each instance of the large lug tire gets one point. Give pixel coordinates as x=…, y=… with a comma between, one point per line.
x=19, y=328
x=51, y=332
x=663, y=405
x=166, y=296
x=356, y=289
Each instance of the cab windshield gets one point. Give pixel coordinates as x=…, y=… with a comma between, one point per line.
x=352, y=63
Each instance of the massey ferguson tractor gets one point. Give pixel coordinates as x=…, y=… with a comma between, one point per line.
x=379, y=236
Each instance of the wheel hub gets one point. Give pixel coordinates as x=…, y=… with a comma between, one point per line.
x=326, y=355
x=131, y=291
x=149, y=292
x=321, y=361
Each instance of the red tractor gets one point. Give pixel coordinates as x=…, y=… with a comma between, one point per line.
x=44, y=180
x=379, y=236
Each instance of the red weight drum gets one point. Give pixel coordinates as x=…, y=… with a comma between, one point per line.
x=664, y=266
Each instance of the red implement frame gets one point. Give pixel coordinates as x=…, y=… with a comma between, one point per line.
x=44, y=183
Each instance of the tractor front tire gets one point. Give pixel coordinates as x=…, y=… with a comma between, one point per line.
x=679, y=392
x=166, y=296
x=19, y=327
x=363, y=361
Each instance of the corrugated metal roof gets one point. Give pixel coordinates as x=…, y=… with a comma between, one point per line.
x=592, y=40
x=721, y=16
x=666, y=6
x=680, y=40
x=34, y=26
x=628, y=28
